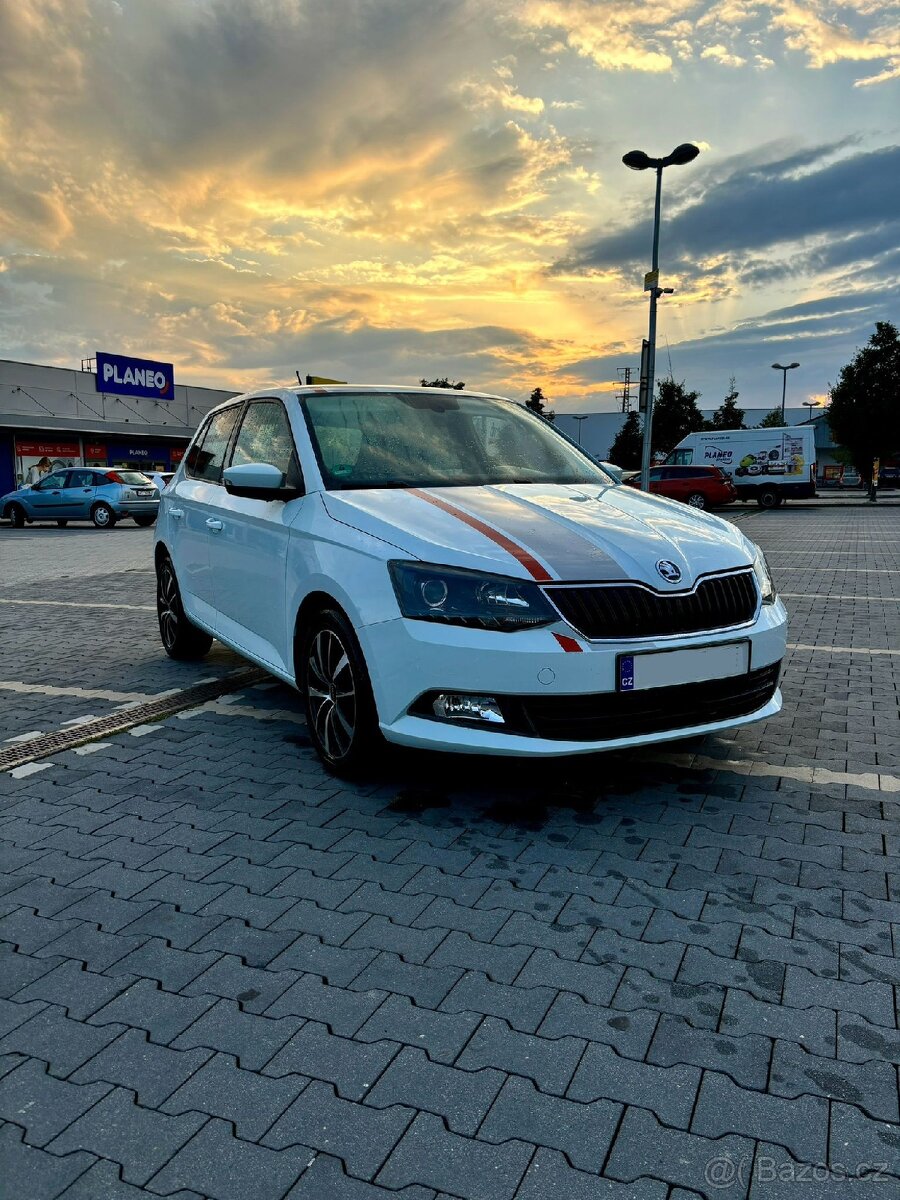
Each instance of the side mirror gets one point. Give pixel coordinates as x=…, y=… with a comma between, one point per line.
x=257, y=481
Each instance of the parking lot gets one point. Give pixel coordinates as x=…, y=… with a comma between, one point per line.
x=659, y=975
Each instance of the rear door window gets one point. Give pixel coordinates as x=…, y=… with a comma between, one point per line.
x=206, y=456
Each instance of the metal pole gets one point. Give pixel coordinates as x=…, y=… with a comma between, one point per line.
x=784, y=371
x=651, y=338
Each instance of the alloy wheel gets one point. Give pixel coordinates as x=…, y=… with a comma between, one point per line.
x=167, y=606
x=331, y=690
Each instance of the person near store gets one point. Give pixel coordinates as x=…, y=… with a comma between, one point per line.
x=39, y=470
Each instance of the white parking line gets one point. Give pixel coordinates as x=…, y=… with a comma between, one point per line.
x=870, y=780
x=855, y=570
x=82, y=604
x=863, y=599
x=222, y=708
x=47, y=689
x=842, y=649
x=25, y=737
x=29, y=769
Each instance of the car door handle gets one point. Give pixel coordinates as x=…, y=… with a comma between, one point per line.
x=176, y=513
x=214, y=525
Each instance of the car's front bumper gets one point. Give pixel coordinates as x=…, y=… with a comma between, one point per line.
x=410, y=658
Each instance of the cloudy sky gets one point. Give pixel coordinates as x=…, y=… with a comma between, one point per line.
x=377, y=190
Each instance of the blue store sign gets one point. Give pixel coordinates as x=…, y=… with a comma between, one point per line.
x=135, y=377
x=132, y=452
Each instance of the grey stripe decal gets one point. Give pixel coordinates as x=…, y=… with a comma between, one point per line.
x=567, y=553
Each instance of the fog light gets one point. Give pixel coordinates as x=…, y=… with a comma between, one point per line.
x=453, y=707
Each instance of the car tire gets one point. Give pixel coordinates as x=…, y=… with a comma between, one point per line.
x=62, y=522
x=768, y=497
x=145, y=519
x=337, y=694
x=103, y=516
x=181, y=639
x=16, y=514
x=696, y=500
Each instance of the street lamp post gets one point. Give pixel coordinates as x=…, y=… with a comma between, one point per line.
x=579, y=419
x=637, y=160
x=784, y=371
x=811, y=404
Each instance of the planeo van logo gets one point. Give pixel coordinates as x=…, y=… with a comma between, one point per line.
x=717, y=454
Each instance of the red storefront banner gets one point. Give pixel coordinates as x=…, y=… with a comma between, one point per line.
x=176, y=454
x=50, y=449
x=94, y=450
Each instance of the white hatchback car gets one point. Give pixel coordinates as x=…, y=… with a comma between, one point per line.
x=444, y=569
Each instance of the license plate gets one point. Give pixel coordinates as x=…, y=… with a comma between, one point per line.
x=663, y=668
x=146, y=492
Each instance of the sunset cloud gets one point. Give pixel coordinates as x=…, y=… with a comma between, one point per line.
x=385, y=191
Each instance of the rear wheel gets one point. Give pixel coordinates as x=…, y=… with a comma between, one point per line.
x=62, y=522
x=103, y=516
x=145, y=519
x=181, y=639
x=16, y=514
x=340, y=708
x=768, y=497
x=697, y=500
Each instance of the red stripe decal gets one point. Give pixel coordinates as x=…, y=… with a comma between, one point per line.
x=528, y=561
x=568, y=644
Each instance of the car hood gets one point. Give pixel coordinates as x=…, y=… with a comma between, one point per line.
x=547, y=531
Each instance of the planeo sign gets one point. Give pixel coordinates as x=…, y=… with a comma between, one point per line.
x=135, y=377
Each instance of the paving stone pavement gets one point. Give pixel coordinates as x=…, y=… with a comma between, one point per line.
x=225, y=974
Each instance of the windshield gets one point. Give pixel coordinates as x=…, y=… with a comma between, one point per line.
x=409, y=439
x=133, y=478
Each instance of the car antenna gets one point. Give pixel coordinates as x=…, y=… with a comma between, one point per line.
x=299, y=380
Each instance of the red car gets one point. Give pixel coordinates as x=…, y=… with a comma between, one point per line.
x=701, y=487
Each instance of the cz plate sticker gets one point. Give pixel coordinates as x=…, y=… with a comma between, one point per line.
x=626, y=673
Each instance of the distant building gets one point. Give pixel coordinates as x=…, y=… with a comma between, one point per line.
x=130, y=416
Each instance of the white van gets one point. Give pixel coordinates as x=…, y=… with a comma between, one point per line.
x=765, y=465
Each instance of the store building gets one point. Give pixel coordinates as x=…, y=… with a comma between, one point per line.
x=115, y=411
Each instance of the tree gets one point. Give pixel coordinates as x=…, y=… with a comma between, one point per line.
x=443, y=383
x=772, y=420
x=675, y=415
x=865, y=402
x=536, y=402
x=625, y=451
x=728, y=415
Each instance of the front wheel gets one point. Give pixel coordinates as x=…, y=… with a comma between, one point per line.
x=145, y=519
x=340, y=708
x=16, y=514
x=768, y=497
x=181, y=639
x=103, y=516
x=697, y=500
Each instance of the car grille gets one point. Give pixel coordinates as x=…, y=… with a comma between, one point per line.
x=628, y=714
x=631, y=611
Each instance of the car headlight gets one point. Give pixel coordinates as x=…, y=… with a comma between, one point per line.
x=457, y=597
x=763, y=577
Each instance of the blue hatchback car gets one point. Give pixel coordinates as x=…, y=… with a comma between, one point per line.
x=99, y=494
